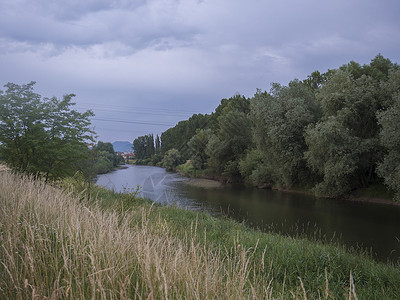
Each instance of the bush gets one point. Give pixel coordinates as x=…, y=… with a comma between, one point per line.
x=172, y=159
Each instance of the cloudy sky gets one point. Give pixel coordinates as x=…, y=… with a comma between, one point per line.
x=142, y=66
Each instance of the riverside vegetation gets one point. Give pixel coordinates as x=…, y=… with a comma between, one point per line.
x=330, y=134
x=56, y=243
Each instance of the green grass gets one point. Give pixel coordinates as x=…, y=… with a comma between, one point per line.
x=58, y=244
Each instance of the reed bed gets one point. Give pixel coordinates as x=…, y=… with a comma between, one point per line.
x=55, y=245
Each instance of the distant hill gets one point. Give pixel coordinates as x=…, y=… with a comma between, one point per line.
x=122, y=146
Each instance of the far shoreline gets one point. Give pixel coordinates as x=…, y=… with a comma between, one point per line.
x=210, y=183
x=203, y=183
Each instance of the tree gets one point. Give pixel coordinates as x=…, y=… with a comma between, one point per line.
x=178, y=136
x=344, y=146
x=150, y=150
x=333, y=153
x=316, y=80
x=227, y=146
x=389, y=168
x=139, y=146
x=158, y=145
x=105, y=158
x=229, y=137
x=144, y=146
x=198, y=144
x=39, y=136
x=104, y=147
x=280, y=118
x=172, y=159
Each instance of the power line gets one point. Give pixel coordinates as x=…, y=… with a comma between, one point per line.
x=117, y=129
x=132, y=122
x=135, y=112
x=151, y=109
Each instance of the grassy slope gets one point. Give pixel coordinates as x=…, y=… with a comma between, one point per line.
x=119, y=246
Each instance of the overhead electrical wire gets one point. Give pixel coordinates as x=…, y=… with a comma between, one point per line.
x=117, y=129
x=132, y=122
x=135, y=112
x=116, y=108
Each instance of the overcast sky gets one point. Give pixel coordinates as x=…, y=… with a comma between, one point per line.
x=150, y=64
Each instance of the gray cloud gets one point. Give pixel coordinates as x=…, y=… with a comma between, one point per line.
x=187, y=54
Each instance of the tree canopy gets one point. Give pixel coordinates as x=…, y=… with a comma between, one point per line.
x=42, y=136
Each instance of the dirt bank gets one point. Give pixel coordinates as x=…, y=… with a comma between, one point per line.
x=204, y=183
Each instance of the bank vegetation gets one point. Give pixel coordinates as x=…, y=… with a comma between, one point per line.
x=330, y=134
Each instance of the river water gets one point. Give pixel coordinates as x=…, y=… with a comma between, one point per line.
x=375, y=227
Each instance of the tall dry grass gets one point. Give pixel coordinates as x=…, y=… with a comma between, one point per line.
x=53, y=246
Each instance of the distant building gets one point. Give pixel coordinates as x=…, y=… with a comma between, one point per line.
x=126, y=155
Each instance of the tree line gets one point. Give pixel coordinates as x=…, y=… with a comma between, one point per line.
x=330, y=133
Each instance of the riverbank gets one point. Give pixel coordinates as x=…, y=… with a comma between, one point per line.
x=203, y=183
x=55, y=244
x=200, y=179
x=355, y=196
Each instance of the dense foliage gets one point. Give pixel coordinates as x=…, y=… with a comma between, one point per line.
x=331, y=133
x=144, y=146
x=389, y=167
x=147, y=150
x=42, y=136
x=105, y=159
x=172, y=159
x=178, y=136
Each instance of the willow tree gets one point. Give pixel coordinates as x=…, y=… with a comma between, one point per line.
x=231, y=137
x=280, y=119
x=42, y=136
x=344, y=146
x=389, y=168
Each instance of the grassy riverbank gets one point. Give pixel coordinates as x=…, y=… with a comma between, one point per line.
x=60, y=245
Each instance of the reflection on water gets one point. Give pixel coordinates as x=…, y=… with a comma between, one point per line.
x=372, y=226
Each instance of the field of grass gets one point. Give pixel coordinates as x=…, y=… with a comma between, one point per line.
x=61, y=245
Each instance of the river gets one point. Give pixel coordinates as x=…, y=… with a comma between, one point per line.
x=372, y=226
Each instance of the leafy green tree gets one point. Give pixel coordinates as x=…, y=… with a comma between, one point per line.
x=229, y=144
x=42, y=136
x=316, y=80
x=279, y=120
x=150, y=149
x=198, y=145
x=249, y=163
x=231, y=137
x=105, y=158
x=334, y=155
x=237, y=103
x=139, y=146
x=389, y=168
x=172, y=159
x=344, y=146
x=158, y=145
x=178, y=136
x=144, y=146
x=104, y=147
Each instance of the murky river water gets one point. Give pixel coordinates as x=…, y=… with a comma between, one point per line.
x=372, y=226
